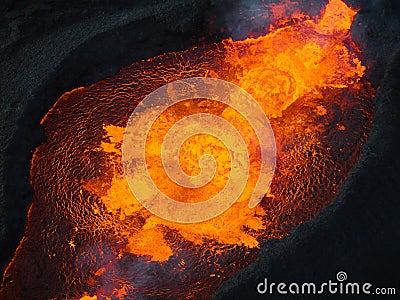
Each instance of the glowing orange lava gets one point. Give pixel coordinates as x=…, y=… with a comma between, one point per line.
x=97, y=240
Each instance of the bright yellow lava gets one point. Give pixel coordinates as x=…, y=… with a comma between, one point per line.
x=276, y=69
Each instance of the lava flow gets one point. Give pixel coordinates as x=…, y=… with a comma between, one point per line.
x=88, y=237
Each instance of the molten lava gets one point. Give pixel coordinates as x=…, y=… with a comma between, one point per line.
x=86, y=234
